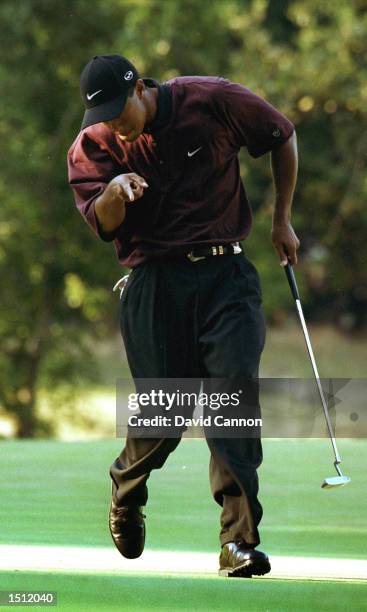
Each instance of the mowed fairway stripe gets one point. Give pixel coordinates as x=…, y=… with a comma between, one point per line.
x=100, y=560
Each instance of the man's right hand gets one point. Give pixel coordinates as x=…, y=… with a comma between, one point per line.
x=110, y=206
x=126, y=187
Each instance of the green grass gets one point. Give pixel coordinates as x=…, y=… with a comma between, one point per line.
x=150, y=592
x=58, y=493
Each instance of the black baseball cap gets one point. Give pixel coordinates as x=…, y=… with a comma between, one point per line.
x=104, y=85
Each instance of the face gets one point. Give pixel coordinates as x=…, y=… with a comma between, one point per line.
x=130, y=124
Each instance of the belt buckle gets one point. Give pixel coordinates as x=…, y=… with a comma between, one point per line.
x=192, y=257
x=217, y=250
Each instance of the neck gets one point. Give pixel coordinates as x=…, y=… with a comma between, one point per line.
x=152, y=103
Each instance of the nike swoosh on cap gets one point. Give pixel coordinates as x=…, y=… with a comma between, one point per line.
x=191, y=153
x=90, y=96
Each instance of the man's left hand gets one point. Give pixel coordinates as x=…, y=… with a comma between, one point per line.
x=285, y=242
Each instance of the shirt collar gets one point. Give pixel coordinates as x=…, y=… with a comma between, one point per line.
x=164, y=106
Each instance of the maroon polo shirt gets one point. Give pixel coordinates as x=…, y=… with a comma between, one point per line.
x=189, y=158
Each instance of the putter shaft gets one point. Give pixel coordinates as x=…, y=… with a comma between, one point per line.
x=317, y=377
x=293, y=286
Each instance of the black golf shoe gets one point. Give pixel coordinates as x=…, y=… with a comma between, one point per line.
x=237, y=561
x=127, y=529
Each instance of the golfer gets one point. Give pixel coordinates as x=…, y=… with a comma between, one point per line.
x=155, y=170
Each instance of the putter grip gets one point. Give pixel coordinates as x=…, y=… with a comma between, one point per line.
x=291, y=280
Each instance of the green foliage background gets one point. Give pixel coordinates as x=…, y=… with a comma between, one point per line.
x=306, y=57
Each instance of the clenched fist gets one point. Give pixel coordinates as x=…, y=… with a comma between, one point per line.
x=127, y=187
x=110, y=206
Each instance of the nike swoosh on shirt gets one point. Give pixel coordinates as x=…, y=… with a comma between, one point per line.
x=90, y=96
x=191, y=153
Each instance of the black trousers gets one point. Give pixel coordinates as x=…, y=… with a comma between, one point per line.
x=182, y=319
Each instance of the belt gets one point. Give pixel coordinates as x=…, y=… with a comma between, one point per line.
x=201, y=252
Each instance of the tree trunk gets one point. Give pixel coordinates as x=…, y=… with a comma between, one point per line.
x=21, y=402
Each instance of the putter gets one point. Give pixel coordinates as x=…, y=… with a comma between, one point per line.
x=333, y=481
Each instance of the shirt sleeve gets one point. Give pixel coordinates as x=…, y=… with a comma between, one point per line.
x=251, y=120
x=90, y=168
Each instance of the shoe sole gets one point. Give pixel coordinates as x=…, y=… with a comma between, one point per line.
x=246, y=570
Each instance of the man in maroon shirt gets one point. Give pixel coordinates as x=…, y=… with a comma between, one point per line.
x=155, y=170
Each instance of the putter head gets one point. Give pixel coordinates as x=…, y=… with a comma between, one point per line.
x=335, y=481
